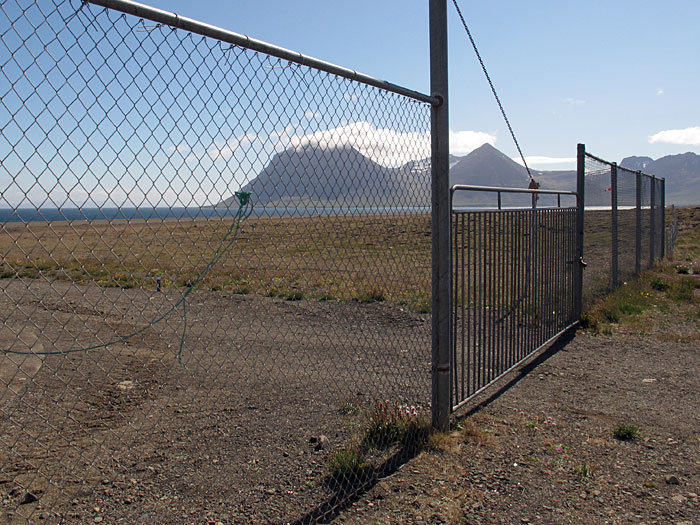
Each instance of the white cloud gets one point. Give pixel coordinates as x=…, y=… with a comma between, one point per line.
x=464, y=142
x=226, y=150
x=180, y=147
x=384, y=146
x=311, y=115
x=539, y=161
x=575, y=101
x=660, y=91
x=687, y=136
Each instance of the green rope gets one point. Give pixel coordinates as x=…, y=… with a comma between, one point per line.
x=244, y=211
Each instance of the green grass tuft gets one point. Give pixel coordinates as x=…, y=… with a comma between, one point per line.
x=627, y=433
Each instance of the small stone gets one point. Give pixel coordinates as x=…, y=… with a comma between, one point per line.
x=692, y=495
x=98, y=519
x=649, y=380
x=671, y=479
x=679, y=499
x=28, y=498
x=595, y=493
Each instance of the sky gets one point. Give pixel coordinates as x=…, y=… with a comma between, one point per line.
x=100, y=109
x=621, y=77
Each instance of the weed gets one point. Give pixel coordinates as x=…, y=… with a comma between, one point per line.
x=390, y=424
x=649, y=484
x=349, y=466
x=659, y=285
x=439, y=442
x=585, y=470
x=683, y=270
x=371, y=295
x=626, y=433
x=348, y=408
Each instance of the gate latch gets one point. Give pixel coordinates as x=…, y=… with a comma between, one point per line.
x=582, y=262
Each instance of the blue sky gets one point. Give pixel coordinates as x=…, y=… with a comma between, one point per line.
x=609, y=74
x=98, y=109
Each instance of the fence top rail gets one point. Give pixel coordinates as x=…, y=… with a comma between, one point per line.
x=602, y=161
x=498, y=189
x=174, y=20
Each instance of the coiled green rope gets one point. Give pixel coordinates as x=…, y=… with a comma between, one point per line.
x=244, y=211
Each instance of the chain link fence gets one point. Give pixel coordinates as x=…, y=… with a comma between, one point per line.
x=215, y=274
x=625, y=225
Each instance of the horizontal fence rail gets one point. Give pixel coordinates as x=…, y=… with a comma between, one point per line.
x=514, y=276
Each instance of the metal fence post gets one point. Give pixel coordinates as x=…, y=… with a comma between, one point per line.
x=580, y=202
x=614, y=270
x=662, y=229
x=638, y=227
x=441, y=218
x=652, y=225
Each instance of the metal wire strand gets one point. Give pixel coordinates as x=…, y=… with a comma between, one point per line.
x=493, y=89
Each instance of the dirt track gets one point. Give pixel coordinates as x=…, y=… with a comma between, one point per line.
x=224, y=436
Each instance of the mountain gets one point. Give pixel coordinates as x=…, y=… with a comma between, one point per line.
x=486, y=166
x=341, y=176
x=312, y=175
x=636, y=163
x=682, y=174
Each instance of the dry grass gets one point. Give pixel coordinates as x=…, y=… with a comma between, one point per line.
x=370, y=257
x=661, y=296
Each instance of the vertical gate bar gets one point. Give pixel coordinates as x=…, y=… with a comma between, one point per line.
x=564, y=315
x=474, y=302
x=638, y=226
x=522, y=285
x=476, y=306
x=441, y=217
x=465, y=311
x=580, y=203
x=489, y=301
x=614, y=270
x=454, y=254
x=499, y=299
x=482, y=302
x=513, y=283
x=651, y=223
x=494, y=295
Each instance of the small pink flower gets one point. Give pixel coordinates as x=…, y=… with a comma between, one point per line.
x=559, y=450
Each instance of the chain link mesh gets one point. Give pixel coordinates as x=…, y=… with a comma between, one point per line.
x=622, y=237
x=215, y=275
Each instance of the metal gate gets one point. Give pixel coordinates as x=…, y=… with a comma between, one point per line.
x=515, y=271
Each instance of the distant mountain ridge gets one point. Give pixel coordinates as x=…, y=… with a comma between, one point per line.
x=682, y=174
x=313, y=175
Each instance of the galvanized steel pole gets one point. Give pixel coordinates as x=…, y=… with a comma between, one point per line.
x=638, y=227
x=652, y=211
x=580, y=202
x=663, y=217
x=441, y=218
x=614, y=270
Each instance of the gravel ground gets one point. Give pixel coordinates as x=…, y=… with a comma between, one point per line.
x=239, y=432
x=542, y=450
